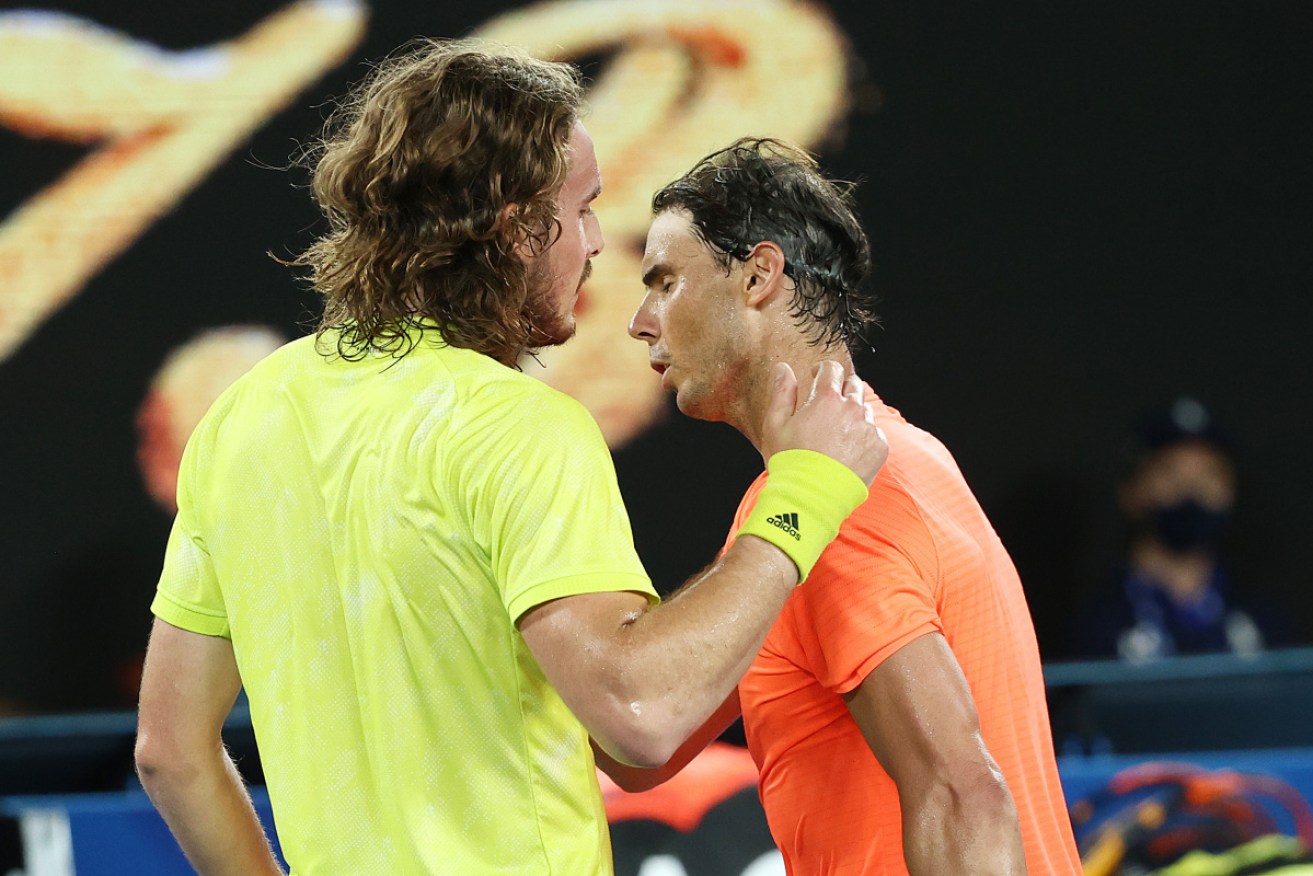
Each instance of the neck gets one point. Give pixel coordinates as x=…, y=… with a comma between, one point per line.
x=1183, y=576
x=749, y=413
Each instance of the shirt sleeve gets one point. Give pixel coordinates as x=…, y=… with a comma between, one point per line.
x=544, y=501
x=873, y=591
x=188, y=595
x=741, y=515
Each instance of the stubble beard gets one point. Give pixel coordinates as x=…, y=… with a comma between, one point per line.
x=551, y=326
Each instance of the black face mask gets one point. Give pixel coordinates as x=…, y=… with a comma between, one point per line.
x=1188, y=526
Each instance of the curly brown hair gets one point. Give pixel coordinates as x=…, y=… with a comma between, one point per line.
x=432, y=173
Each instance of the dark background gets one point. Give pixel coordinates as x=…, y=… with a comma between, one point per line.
x=1078, y=211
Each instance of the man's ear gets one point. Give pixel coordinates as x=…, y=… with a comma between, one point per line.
x=509, y=213
x=763, y=273
x=511, y=226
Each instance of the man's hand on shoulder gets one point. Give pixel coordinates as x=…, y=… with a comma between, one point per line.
x=832, y=419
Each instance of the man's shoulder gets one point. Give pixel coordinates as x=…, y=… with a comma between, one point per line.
x=480, y=386
x=910, y=445
x=510, y=395
x=497, y=409
x=920, y=468
x=283, y=364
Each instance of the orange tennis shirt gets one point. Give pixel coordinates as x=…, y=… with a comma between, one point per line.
x=918, y=557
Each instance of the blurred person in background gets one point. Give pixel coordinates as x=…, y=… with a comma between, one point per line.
x=1172, y=594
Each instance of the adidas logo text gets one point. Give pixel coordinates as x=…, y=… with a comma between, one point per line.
x=786, y=522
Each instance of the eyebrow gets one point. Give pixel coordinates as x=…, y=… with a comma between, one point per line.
x=653, y=272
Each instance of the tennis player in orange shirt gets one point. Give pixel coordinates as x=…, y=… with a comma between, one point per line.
x=896, y=710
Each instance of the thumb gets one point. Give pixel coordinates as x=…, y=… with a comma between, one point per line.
x=784, y=397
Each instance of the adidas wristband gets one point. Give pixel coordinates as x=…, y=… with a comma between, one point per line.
x=806, y=497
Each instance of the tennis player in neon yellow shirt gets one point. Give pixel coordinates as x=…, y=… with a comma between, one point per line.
x=414, y=557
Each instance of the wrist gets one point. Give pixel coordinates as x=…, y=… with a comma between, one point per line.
x=807, y=497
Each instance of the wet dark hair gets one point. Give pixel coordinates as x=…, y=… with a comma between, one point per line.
x=764, y=189
x=430, y=174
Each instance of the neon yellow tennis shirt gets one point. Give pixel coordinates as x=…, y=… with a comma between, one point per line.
x=367, y=534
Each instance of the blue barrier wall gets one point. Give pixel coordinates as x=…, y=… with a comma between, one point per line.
x=62, y=778
x=118, y=833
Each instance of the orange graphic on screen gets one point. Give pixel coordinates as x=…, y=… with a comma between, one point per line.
x=191, y=379
x=681, y=78
x=162, y=120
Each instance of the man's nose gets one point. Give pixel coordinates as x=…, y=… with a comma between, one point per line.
x=596, y=242
x=643, y=325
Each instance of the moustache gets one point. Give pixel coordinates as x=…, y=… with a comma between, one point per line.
x=588, y=272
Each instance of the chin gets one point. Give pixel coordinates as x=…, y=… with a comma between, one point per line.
x=554, y=335
x=692, y=404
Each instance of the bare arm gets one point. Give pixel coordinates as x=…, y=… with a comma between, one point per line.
x=918, y=716
x=642, y=681
x=634, y=779
x=188, y=687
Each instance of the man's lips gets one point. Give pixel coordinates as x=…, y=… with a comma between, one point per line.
x=581, y=301
x=661, y=368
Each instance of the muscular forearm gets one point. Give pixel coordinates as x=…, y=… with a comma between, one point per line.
x=685, y=657
x=673, y=669
x=206, y=806
x=963, y=827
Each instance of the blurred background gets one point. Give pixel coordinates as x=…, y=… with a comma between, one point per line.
x=1083, y=215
